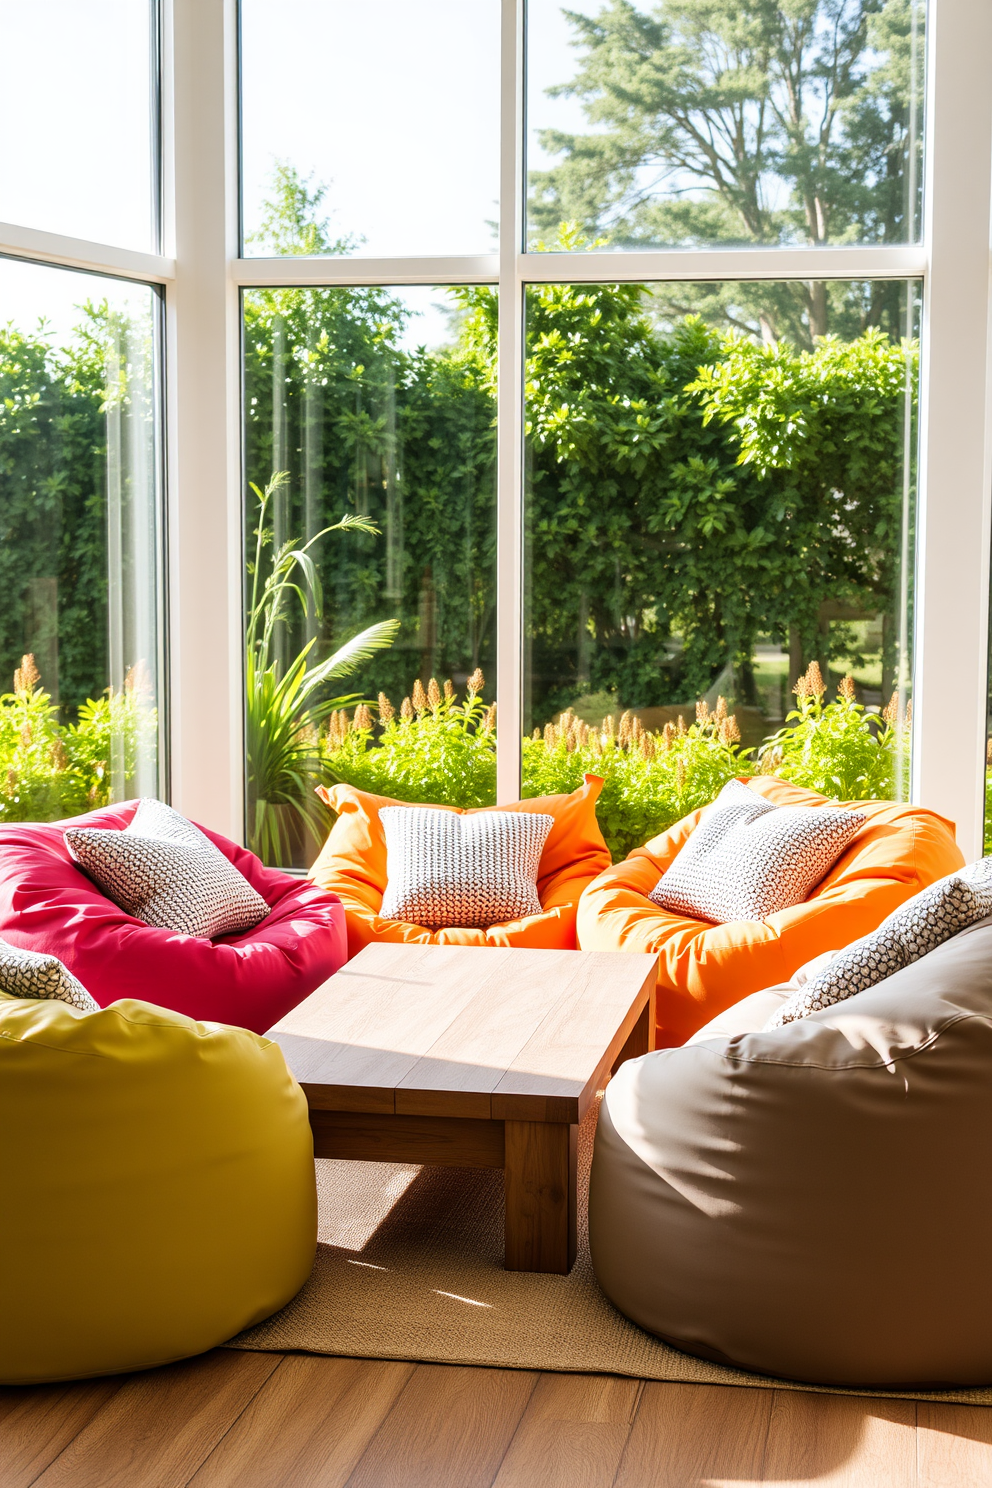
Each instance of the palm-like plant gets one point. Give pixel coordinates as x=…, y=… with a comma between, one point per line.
x=284, y=704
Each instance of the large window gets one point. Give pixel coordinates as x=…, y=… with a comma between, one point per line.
x=80, y=119
x=738, y=123
x=370, y=408
x=82, y=640
x=637, y=352
x=710, y=518
x=657, y=479
x=387, y=111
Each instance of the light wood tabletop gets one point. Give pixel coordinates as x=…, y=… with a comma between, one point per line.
x=472, y=1057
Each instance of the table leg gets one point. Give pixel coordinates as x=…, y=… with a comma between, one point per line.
x=540, y=1196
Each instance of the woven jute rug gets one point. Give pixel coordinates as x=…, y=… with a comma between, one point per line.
x=410, y=1266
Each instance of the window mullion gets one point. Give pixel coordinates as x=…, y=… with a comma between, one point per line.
x=203, y=368
x=955, y=464
x=509, y=576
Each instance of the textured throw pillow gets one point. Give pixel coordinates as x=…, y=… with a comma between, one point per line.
x=445, y=870
x=31, y=974
x=909, y=932
x=748, y=859
x=163, y=870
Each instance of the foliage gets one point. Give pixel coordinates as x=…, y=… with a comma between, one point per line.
x=52, y=511
x=439, y=750
x=49, y=769
x=404, y=438
x=435, y=750
x=837, y=748
x=743, y=121
x=660, y=464
x=284, y=706
x=649, y=780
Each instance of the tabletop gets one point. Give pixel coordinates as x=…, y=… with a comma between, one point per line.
x=467, y=1031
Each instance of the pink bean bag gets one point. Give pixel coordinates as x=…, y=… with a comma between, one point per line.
x=47, y=904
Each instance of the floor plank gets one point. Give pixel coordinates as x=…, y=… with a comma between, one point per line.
x=156, y=1430
x=37, y=1422
x=845, y=1441
x=954, y=1445
x=307, y=1426
x=572, y=1434
x=244, y=1420
x=450, y=1428
x=696, y=1434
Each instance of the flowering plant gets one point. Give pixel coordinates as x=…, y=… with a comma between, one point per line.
x=49, y=769
x=838, y=748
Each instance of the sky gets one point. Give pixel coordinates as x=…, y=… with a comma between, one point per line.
x=394, y=106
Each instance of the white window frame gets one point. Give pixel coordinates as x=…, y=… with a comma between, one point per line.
x=203, y=276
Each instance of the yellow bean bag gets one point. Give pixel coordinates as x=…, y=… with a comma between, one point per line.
x=158, y=1187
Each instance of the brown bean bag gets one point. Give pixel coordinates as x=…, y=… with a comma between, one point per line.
x=814, y=1202
x=704, y=968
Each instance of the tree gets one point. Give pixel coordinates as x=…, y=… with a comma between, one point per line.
x=743, y=122
x=53, y=518
x=402, y=437
x=690, y=491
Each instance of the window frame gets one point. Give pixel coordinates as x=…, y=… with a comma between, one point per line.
x=203, y=274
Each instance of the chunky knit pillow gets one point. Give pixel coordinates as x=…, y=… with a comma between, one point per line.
x=748, y=859
x=909, y=933
x=31, y=974
x=163, y=870
x=445, y=870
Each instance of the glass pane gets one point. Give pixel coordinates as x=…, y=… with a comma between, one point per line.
x=652, y=125
x=80, y=99
x=384, y=114
x=723, y=523
x=371, y=407
x=79, y=542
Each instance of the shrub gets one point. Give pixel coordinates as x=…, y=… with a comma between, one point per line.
x=49, y=769
x=438, y=750
x=286, y=703
x=435, y=750
x=837, y=748
x=442, y=751
x=649, y=780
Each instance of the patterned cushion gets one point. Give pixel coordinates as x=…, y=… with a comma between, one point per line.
x=446, y=870
x=910, y=932
x=748, y=859
x=163, y=870
x=30, y=974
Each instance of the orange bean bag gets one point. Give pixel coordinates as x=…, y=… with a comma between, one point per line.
x=352, y=865
x=705, y=968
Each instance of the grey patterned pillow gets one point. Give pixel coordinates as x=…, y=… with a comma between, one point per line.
x=32, y=974
x=908, y=933
x=748, y=859
x=165, y=871
x=444, y=869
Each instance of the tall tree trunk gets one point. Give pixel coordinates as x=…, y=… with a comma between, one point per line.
x=796, y=663
x=818, y=309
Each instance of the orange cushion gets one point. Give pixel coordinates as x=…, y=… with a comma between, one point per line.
x=705, y=968
x=352, y=865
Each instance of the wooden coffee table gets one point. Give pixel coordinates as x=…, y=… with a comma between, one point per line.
x=472, y=1057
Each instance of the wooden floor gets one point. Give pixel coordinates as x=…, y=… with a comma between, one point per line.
x=240, y=1420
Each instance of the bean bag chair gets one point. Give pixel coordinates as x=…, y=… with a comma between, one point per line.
x=706, y=967
x=158, y=1187
x=48, y=904
x=813, y=1202
x=352, y=866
